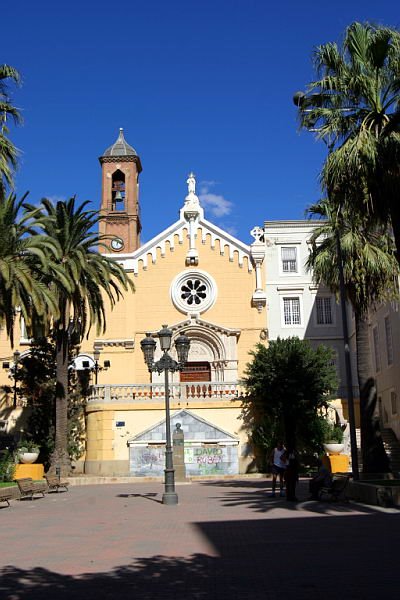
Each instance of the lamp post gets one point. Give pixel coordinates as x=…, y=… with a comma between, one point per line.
x=166, y=364
x=298, y=100
x=96, y=368
x=16, y=356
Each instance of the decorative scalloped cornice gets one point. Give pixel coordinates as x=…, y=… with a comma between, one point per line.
x=149, y=250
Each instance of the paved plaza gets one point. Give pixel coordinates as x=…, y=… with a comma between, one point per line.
x=225, y=540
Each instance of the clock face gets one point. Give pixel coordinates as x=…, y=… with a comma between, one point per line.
x=117, y=243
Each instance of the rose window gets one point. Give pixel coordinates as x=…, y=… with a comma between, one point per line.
x=193, y=290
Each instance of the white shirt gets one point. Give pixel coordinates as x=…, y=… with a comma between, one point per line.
x=278, y=462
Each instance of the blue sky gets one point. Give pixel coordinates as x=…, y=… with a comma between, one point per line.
x=204, y=86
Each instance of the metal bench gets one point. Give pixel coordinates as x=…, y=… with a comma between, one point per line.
x=55, y=483
x=28, y=488
x=336, y=489
x=6, y=494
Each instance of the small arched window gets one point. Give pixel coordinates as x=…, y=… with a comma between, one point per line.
x=118, y=191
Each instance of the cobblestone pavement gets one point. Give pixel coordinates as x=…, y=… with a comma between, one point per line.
x=225, y=540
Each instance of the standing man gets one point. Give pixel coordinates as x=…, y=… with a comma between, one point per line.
x=278, y=460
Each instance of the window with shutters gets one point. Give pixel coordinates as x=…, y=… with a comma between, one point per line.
x=289, y=259
x=393, y=402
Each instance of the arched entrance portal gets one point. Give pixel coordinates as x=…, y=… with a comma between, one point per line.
x=211, y=370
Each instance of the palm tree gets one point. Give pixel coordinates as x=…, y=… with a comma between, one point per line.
x=354, y=105
x=81, y=278
x=8, y=152
x=24, y=260
x=369, y=269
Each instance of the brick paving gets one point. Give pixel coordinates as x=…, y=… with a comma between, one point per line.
x=225, y=540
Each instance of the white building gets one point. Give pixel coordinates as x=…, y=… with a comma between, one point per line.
x=296, y=306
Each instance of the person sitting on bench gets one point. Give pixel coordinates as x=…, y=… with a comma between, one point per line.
x=322, y=479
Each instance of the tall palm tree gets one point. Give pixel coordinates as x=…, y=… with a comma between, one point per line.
x=24, y=261
x=354, y=105
x=8, y=152
x=81, y=279
x=369, y=269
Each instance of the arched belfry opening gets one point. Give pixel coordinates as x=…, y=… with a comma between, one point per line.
x=118, y=191
x=120, y=208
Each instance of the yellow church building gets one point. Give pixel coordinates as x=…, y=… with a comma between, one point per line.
x=202, y=282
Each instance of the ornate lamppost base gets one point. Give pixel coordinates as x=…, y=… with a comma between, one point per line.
x=170, y=498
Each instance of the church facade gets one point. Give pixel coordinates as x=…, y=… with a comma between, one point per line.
x=200, y=281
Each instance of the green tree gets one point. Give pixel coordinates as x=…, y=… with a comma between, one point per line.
x=354, y=105
x=8, y=152
x=287, y=385
x=24, y=258
x=369, y=269
x=37, y=376
x=81, y=279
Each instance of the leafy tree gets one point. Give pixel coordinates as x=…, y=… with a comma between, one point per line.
x=287, y=385
x=81, y=279
x=369, y=270
x=354, y=105
x=24, y=256
x=8, y=152
x=37, y=376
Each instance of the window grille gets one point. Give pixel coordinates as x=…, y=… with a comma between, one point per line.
x=324, y=311
x=389, y=341
x=377, y=357
x=291, y=311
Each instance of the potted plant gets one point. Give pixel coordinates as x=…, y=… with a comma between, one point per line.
x=333, y=439
x=27, y=451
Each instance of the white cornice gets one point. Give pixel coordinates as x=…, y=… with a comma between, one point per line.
x=130, y=262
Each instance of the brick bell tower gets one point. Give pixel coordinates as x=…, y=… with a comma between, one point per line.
x=120, y=210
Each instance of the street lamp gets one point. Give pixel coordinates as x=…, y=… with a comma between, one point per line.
x=299, y=99
x=166, y=364
x=16, y=357
x=96, y=368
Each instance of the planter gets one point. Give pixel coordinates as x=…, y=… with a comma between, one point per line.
x=333, y=448
x=28, y=457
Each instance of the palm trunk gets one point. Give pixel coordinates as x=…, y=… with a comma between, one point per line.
x=373, y=453
x=60, y=460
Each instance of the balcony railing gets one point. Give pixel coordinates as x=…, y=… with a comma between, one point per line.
x=155, y=392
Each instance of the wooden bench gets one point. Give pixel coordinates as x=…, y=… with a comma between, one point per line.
x=336, y=489
x=55, y=483
x=28, y=488
x=6, y=494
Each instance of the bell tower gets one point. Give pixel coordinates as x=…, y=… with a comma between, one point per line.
x=120, y=211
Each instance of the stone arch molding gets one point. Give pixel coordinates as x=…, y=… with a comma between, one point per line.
x=209, y=342
x=212, y=343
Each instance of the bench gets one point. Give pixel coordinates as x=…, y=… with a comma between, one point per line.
x=6, y=494
x=55, y=483
x=28, y=488
x=336, y=489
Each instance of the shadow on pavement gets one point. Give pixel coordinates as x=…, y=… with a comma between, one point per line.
x=258, y=500
x=349, y=557
x=148, y=496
